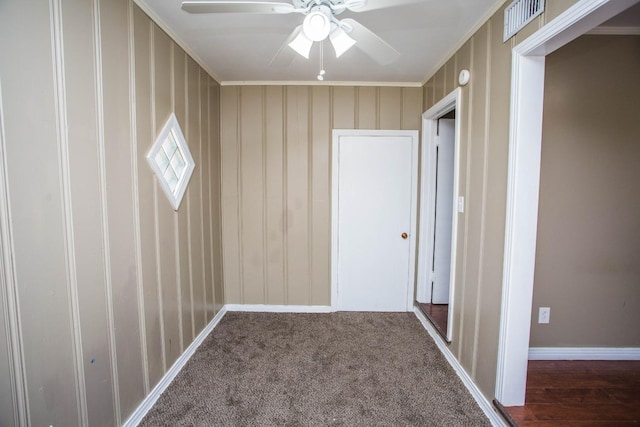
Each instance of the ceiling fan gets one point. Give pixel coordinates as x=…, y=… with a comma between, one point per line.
x=320, y=22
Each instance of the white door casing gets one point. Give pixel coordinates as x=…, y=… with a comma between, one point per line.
x=374, y=202
x=453, y=101
x=525, y=141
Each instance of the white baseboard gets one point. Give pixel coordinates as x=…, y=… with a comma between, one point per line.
x=584, y=353
x=266, y=308
x=169, y=376
x=486, y=406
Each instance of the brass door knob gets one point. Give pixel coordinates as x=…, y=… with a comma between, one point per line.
x=404, y=235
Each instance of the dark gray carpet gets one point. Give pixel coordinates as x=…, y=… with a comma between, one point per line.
x=266, y=369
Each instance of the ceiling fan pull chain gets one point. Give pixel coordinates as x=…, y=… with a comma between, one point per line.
x=321, y=72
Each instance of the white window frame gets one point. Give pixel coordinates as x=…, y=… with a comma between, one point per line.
x=172, y=127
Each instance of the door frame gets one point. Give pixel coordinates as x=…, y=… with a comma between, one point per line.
x=428, y=201
x=337, y=134
x=523, y=182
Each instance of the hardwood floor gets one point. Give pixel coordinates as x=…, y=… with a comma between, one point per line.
x=580, y=393
x=438, y=314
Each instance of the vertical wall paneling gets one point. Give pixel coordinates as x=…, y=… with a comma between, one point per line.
x=497, y=135
x=390, y=108
x=166, y=249
x=485, y=145
x=216, y=217
x=33, y=187
x=116, y=100
x=252, y=194
x=13, y=408
x=297, y=214
x=136, y=194
x=366, y=108
x=85, y=208
x=182, y=220
x=343, y=105
x=465, y=116
x=411, y=102
x=475, y=199
x=8, y=403
x=92, y=254
x=146, y=181
x=438, y=85
x=320, y=207
x=207, y=274
x=104, y=226
x=229, y=146
x=57, y=41
x=275, y=279
x=194, y=197
x=156, y=214
x=276, y=150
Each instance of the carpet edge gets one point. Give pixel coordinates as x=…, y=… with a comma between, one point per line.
x=147, y=403
x=268, y=308
x=477, y=395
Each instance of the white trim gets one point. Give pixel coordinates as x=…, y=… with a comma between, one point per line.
x=527, y=88
x=584, y=353
x=164, y=27
x=453, y=101
x=171, y=374
x=415, y=142
x=266, y=308
x=486, y=406
x=614, y=31
x=318, y=83
x=483, y=19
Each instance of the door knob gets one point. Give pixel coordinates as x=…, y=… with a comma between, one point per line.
x=404, y=235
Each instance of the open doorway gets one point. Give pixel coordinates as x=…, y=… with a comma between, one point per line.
x=527, y=88
x=588, y=240
x=439, y=207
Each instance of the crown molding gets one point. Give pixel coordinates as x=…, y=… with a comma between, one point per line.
x=318, y=83
x=492, y=11
x=164, y=27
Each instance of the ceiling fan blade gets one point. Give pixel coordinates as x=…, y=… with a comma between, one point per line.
x=367, y=5
x=237, y=7
x=367, y=41
x=285, y=55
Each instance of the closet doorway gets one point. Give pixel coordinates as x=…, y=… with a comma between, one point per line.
x=440, y=205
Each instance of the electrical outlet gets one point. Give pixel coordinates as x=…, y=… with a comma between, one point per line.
x=544, y=314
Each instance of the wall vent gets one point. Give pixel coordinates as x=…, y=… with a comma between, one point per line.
x=518, y=14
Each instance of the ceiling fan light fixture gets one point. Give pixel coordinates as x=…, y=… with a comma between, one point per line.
x=341, y=41
x=316, y=25
x=301, y=44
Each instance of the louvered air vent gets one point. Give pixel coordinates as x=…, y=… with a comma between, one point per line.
x=518, y=14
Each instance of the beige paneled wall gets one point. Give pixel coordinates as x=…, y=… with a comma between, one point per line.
x=103, y=284
x=484, y=120
x=588, y=246
x=276, y=182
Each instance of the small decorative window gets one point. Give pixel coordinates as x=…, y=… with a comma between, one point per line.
x=171, y=161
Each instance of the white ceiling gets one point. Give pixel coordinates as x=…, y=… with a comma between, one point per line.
x=239, y=48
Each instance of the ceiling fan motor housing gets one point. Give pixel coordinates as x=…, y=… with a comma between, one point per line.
x=317, y=24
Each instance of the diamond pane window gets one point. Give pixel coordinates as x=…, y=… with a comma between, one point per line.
x=171, y=161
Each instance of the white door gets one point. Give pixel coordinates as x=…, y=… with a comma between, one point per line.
x=375, y=182
x=443, y=215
